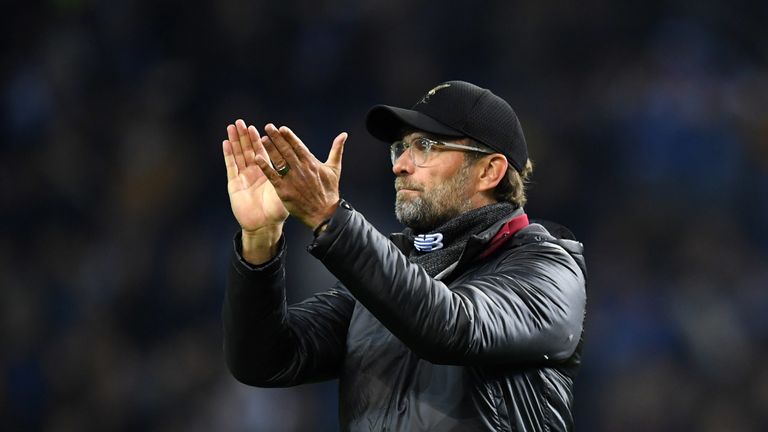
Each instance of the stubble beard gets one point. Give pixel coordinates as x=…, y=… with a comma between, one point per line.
x=433, y=208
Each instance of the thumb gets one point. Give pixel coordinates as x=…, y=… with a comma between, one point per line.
x=337, y=150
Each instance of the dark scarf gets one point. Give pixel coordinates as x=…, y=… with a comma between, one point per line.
x=456, y=232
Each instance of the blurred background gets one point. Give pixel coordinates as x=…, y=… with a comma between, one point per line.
x=648, y=123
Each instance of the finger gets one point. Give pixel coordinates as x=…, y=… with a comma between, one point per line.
x=301, y=150
x=278, y=161
x=282, y=146
x=245, y=142
x=337, y=151
x=258, y=148
x=229, y=160
x=270, y=173
x=234, y=138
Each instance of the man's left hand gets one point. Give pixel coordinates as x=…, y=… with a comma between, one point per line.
x=308, y=188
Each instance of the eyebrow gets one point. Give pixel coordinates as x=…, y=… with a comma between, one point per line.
x=422, y=134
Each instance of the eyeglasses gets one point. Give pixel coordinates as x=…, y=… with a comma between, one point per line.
x=421, y=149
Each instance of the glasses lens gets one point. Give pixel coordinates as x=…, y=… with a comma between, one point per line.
x=396, y=150
x=420, y=148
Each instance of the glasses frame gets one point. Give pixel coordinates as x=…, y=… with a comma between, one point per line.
x=428, y=145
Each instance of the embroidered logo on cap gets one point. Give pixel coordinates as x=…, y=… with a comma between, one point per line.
x=432, y=92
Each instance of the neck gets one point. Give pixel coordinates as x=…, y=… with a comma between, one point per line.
x=480, y=199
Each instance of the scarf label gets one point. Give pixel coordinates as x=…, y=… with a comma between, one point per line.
x=428, y=242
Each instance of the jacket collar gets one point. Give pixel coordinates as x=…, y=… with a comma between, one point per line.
x=488, y=241
x=483, y=244
x=477, y=243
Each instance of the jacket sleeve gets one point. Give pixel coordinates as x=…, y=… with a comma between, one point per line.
x=529, y=309
x=268, y=344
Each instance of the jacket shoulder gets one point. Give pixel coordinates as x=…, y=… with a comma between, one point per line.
x=540, y=233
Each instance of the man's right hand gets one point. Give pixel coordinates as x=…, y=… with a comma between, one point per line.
x=254, y=201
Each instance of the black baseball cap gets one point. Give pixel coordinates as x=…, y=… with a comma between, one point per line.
x=456, y=109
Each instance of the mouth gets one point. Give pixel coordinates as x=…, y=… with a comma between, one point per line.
x=406, y=187
x=408, y=191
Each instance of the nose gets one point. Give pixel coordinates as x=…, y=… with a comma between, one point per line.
x=404, y=164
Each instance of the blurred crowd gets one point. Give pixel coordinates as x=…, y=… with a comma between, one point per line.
x=648, y=124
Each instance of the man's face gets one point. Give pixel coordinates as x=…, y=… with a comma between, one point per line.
x=432, y=194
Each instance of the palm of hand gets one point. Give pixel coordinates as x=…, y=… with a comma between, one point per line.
x=255, y=203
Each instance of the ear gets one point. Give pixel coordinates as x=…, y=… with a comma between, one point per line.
x=492, y=170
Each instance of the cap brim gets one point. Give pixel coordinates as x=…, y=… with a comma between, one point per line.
x=387, y=123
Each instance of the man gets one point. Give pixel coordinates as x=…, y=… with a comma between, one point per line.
x=470, y=319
